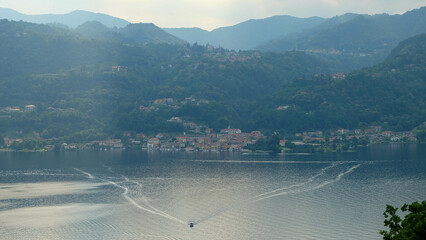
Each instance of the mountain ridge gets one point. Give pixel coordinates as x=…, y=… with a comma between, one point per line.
x=134, y=33
x=390, y=94
x=360, y=41
x=71, y=19
x=84, y=86
x=248, y=34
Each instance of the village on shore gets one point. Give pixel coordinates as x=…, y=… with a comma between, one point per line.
x=201, y=138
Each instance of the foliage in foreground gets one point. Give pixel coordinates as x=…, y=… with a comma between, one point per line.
x=412, y=227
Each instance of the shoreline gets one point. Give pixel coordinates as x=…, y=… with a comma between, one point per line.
x=244, y=153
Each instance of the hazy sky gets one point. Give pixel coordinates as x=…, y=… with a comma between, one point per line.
x=209, y=14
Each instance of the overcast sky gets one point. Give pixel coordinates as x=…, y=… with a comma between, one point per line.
x=209, y=14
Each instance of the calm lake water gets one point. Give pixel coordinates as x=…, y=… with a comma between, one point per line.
x=143, y=195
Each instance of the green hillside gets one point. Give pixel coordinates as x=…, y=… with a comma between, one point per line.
x=391, y=94
x=72, y=19
x=247, y=35
x=133, y=34
x=350, y=42
x=86, y=88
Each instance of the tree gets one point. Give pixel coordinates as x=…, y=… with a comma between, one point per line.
x=412, y=227
x=17, y=146
x=274, y=143
x=421, y=135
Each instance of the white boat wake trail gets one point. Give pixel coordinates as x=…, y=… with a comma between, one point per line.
x=147, y=202
x=315, y=187
x=125, y=194
x=296, y=188
x=292, y=189
x=90, y=176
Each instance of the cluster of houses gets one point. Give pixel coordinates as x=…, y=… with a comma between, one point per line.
x=31, y=108
x=119, y=69
x=373, y=134
x=26, y=108
x=172, y=103
x=221, y=55
x=333, y=51
x=200, y=138
x=338, y=76
x=283, y=108
x=9, y=141
x=227, y=140
x=61, y=109
x=94, y=145
x=235, y=140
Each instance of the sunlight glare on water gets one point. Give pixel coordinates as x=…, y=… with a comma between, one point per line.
x=139, y=195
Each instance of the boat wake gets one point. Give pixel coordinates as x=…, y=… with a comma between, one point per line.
x=90, y=176
x=292, y=189
x=148, y=208
x=311, y=184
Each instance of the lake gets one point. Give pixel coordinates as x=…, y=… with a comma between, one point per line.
x=155, y=195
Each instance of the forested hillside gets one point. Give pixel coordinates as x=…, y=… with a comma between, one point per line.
x=391, y=94
x=86, y=88
x=249, y=34
x=351, y=41
x=80, y=88
x=140, y=33
x=72, y=19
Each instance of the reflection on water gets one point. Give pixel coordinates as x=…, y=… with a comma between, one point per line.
x=140, y=195
x=43, y=189
x=51, y=216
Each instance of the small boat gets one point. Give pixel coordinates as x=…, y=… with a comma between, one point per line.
x=191, y=224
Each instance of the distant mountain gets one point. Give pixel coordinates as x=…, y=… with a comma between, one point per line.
x=147, y=33
x=86, y=88
x=390, y=94
x=410, y=54
x=191, y=35
x=39, y=48
x=292, y=41
x=248, y=34
x=98, y=26
x=140, y=33
x=99, y=31
x=72, y=19
x=358, y=41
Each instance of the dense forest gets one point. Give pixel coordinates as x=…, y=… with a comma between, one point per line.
x=390, y=94
x=352, y=41
x=85, y=88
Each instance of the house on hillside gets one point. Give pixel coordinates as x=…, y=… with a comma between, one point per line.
x=283, y=142
x=118, y=68
x=282, y=108
x=230, y=131
x=30, y=108
x=175, y=119
x=153, y=143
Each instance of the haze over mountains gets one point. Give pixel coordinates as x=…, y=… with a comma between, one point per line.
x=137, y=33
x=98, y=26
x=356, y=40
x=94, y=81
x=390, y=93
x=346, y=42
x=69, y=76
x=72, y=19
x=246, y=35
